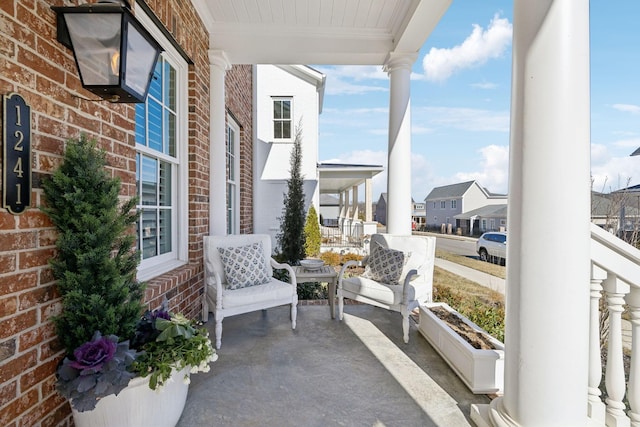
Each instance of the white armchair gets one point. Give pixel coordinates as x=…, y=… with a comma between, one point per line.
x=398, y=281
x=239, y=278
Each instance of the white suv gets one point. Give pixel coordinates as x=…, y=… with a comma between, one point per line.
x=492, y=246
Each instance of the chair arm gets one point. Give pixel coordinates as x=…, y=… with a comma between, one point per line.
x=351, y=263
x=405, y=286
x=218, y=282
x=284, y=266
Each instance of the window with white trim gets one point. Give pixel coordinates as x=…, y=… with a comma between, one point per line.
x=282, y=119
x=454, y=204
x=161, y=171
x=233, y=177
x=443, y=204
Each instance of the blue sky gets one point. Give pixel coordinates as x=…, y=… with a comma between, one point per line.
x=460, y=99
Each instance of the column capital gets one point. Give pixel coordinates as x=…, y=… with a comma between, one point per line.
x=219, y=59
x=399, y=60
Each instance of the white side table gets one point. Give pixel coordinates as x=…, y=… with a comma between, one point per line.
x=324, y=274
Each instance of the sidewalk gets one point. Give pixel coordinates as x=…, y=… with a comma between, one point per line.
x=487, y=280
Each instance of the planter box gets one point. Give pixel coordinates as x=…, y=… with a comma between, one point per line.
x=481, y=370
x=137, y=405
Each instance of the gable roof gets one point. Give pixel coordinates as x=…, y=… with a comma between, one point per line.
x=448, y=191
x=499, y=211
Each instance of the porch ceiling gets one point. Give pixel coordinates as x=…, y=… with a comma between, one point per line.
x=356, y=32
x=335, y=178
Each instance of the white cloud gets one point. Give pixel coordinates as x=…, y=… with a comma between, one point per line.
x=494, y=174
x=343, y=79
x=480, y=46
x=628, y=143
x=485, y=85
x=610, y=173
x=466, y=118
x=627, y=108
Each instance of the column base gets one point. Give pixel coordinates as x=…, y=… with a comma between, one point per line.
x=492, y=415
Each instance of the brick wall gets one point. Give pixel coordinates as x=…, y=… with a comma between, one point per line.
x=43, y=72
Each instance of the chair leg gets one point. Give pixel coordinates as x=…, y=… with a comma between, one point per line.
x=218, y=332
x=405, y=327
x=294, y=315
x=205, y=309
x=340, y=304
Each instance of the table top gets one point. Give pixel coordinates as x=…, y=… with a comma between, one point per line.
x=324, y=271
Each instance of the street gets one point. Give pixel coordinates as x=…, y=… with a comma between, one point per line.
x=454, y=244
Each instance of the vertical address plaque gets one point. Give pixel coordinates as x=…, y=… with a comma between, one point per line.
x=16, y=159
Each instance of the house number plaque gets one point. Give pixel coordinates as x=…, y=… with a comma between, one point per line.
x=16, y=159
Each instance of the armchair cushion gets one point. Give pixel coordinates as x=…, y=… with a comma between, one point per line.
x=384, y=265
x=245, y=265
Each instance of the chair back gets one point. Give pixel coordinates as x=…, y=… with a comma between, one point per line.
x=420, y=250
x=213, y=262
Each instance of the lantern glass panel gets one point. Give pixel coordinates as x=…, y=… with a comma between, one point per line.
x=96, y=44
x=141, y=59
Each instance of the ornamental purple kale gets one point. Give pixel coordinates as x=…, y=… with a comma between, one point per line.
x=100, y=368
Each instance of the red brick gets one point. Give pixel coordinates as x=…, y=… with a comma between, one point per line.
x=16, y=324
x=8, y=263
x=18, y=240
x=8, y=306
x=51, y=348
x=33, y=219
x=37, y=375
x=19, y=74
x=32, y=417
x=18, y=407
x=8, y=392
x=35, y=258
x=7, y=222
x=8, y=7
x=15, y=367
x=17, y=282
x=57, y=417
x=36, y=336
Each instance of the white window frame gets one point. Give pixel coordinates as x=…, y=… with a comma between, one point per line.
x=443, y=204
x=454, y=204
x=178, y=255
x=273, y=119
x=234, y=227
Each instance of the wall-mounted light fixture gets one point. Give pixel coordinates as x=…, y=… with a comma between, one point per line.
x=114, y=53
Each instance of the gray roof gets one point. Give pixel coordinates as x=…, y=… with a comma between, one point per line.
x=492, y=211
x=637, y=152
x=329, y=200
x=453, y=190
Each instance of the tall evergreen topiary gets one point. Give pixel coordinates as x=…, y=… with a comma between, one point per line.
x=312, y=234
x=96, y=263
x=291, y=236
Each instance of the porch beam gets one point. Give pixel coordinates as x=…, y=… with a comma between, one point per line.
x=547, y=296
x=398, y=66
x=217, y=139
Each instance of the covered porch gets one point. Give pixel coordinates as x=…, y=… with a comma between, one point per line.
x=548, y=379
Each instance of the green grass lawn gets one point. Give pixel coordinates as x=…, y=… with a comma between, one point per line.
x=486, y=267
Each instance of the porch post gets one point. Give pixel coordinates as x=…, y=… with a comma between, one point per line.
x=217, y=144
x=548, y=267
x=398, y=66
x=368, y=200
x=354, y=202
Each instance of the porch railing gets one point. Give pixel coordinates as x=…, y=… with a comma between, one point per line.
x=342, y=236
x=615, y=287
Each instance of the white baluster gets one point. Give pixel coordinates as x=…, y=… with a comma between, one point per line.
x=596, y=407
x=633, y=391
x=614, y=376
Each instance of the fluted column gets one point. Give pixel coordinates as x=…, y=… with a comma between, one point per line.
x=398, y=66
x=547, y=295
x=218, y=160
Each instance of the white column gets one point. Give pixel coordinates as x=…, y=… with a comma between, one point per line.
x=398, y=66
x=368, y=200
x=217, y=152
x=547, y=295
x=354, y=202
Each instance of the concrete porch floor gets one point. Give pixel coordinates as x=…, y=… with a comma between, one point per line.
x=357, y=372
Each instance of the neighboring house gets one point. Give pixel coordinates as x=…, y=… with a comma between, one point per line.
x=618, y=212
x=486, y=218
x=288, y=99
x=418, y=213
x=444, y=203
x=381, y=209
x=329, y=210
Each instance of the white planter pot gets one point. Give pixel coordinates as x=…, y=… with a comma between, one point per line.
x=481, y=370
x=138, y=405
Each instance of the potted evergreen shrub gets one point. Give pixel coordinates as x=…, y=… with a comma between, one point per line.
x=112, y=347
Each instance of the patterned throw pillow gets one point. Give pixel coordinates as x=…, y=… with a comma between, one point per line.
x=244, y=265
x=384, y=265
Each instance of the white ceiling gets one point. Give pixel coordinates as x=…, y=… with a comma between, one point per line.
x=355, y=32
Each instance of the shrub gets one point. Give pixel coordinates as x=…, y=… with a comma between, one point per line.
x=312, y=234
x=330, y=258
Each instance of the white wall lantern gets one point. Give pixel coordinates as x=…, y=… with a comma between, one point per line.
x=114, y=53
